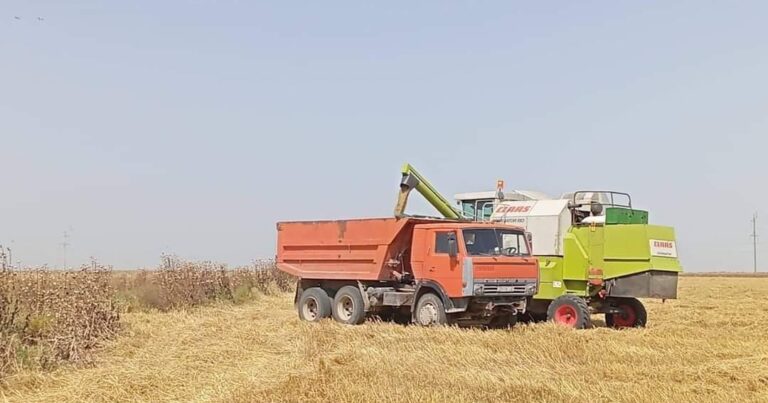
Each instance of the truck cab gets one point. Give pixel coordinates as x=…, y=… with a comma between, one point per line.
x=474, y=260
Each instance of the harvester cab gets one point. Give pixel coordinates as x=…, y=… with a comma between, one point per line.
x=597, y=254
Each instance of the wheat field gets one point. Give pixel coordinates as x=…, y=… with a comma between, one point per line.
x=709, y=345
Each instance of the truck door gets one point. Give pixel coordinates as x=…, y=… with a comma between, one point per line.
x=440, y=266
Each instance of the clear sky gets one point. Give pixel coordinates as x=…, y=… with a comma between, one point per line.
x=144, y=127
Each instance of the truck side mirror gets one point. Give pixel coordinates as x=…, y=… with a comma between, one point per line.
x=453, y=247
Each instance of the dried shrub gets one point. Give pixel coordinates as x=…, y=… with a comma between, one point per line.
x=179, y=284
x=47, y=316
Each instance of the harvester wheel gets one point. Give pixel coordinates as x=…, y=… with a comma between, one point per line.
x=571, y=311
x=633, y=314
x=348, y=306
x=430, y=311
x=314, y=304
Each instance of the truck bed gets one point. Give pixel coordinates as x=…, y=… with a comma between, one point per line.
x=356, y=249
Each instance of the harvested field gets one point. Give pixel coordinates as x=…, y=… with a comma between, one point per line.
x=725, y=274
x=707, y=346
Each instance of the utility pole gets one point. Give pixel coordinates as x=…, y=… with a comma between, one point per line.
x=64, y=245
x=754, y=238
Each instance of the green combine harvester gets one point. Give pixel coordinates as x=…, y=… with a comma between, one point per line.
x=597, y=254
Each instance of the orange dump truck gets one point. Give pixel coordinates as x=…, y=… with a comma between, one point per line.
x=428, y=271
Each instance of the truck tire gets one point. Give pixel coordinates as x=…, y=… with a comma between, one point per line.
x=430, y=311
x=634, y=314
x=314, y=305
x=571, y=311
x=348, y=306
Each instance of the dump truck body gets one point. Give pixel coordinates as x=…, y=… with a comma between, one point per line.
x=343, y=249
x=478, y=271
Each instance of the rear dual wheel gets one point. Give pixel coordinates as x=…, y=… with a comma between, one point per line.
x=348, y=306
x=314, y=305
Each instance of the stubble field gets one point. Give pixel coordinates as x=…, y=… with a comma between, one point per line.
x=709, y=345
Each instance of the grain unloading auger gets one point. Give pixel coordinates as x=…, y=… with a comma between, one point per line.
x=411, y=180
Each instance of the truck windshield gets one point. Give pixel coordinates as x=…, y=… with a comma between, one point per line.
x=495, y=241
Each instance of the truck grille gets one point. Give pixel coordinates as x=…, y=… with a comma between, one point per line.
x=494, y=287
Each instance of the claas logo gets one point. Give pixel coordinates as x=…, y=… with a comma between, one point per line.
x=513, y=209
x=663, y=244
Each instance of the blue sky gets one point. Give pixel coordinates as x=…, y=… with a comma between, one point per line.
x=145, y=127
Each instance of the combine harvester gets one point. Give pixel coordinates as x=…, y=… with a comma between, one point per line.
x=597, y=253
x=430, y=271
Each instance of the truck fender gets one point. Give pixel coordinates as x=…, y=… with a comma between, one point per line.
x=364, y=293
x=297, y=295
x=432, y=286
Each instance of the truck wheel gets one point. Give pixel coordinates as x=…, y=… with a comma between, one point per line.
x=348, y=306
x=634, y=314
x=571, y=311
x=314, y=305
x=430, y=311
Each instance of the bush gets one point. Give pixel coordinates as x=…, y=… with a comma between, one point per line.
x=179, y=284
x=48, y=316
x=51, y=316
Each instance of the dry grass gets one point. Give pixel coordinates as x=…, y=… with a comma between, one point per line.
x=724, y=274
x=707, y=346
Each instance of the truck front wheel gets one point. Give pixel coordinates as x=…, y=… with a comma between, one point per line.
x=348, y=306
x=571, y=311
x=314, y=304
x=430, y=311
x=632, y=314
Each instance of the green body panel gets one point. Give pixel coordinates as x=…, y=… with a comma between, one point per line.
x=618, y=215
x=619, y=250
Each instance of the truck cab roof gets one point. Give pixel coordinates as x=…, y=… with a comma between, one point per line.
x=466, y=225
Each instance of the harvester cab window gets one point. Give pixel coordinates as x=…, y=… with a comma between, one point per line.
x=441, y=242
x=479, y=210
x=486, y=210
x=468, y=209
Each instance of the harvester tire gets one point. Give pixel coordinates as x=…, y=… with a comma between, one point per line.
x=348, y=306
x=571, y=311
x=634, y=314
x=430, y=311
x=314, y=305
